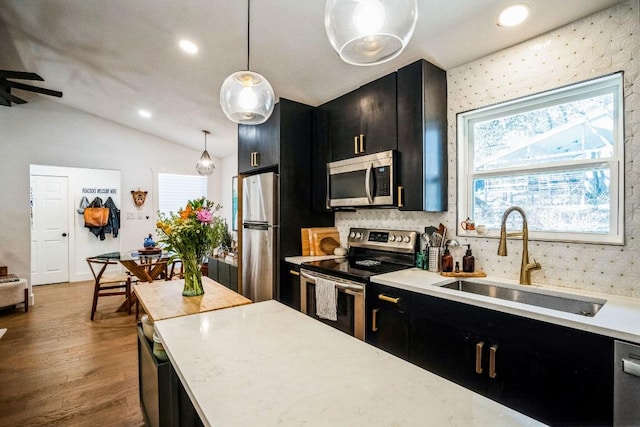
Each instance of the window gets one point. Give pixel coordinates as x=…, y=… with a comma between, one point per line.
x=559, y=155
x=175, y=190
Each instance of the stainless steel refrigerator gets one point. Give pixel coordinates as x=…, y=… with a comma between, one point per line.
x=259, y=228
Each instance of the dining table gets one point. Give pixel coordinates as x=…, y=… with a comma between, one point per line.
x=146, y=265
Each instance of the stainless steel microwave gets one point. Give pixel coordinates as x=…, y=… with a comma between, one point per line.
x=361, y=181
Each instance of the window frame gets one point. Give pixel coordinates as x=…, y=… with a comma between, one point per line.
x=611, y=83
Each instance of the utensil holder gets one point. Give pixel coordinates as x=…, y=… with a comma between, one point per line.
x=434, y=259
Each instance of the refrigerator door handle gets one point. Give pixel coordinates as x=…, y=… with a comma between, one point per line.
x=630, y=367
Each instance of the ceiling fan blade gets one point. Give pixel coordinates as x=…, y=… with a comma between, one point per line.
x=8, y=97
x=30, y=88
x=22, y=75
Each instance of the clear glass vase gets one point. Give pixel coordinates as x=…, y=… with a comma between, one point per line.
x=192, y=270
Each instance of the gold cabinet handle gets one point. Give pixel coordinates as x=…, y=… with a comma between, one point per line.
x=253, y=158
x=492, y=360
x=383, y=297
x=355, y=144
x=374, y=319
x=295, y=273
x=362, y=143
x=257, y=158
x=479, y=357
x=400, y=191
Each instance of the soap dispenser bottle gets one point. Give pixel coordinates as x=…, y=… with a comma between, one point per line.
x=468, y=261
x=447, y=261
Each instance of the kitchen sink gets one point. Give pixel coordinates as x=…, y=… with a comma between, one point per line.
x=583, y=306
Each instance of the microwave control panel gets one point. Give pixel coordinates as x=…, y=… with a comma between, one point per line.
x=383, y=180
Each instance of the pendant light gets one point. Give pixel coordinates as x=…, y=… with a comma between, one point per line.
x=205, y=165
x=247, y=97
x=369, y=32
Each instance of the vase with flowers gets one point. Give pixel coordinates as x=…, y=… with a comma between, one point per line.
x=190, y=235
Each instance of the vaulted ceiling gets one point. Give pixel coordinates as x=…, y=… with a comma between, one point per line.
x=113, y=57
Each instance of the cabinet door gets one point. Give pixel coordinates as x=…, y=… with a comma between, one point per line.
x=363, y=121
x=388, y=322
x=290, y=285
x=233, y=278
x=258, y=145
x=422, y=137
x=212, y=268
x=223, y=273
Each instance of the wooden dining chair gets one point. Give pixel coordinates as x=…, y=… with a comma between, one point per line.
x=108, y=284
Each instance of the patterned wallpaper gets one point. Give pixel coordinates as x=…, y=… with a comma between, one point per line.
x=600, y=44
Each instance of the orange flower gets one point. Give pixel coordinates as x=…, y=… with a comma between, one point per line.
x=186, y=212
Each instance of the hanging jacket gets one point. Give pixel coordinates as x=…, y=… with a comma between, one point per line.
x=114, y=218
x=84, y=203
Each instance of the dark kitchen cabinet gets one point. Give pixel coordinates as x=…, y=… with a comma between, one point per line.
x=223, y=272
x=362, y=121
x=258, y=145
x=388, y=319
x=558, y=375
x=290, y=286
x=422, y=137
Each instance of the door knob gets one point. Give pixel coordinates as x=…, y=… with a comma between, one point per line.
x=64, y=234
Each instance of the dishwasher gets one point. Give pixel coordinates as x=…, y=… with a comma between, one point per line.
x=626, y=383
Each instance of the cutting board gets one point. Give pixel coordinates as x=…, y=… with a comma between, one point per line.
x=305, y=239
x=463, y=274
x=323, y=240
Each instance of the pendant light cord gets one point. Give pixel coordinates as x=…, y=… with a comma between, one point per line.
x=248, y=33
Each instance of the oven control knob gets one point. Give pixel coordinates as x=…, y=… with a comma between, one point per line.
x=406, y=239
x=358, y=235
x=352, y=234
x=392, y=238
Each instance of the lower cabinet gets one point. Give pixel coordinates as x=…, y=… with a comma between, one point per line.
x=388, y=319
x=558, y=375
x=223, y=272
x=290, y=285
x=163, y=400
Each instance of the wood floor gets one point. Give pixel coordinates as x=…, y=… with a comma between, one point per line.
x=58, y=368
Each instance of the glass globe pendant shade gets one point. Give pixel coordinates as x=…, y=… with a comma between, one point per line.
x=247, y=98
x=370, y=32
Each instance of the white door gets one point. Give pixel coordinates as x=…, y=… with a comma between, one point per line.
x=49, y=229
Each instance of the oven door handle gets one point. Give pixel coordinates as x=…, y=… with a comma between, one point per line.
x=368, y=184
x=348, y=288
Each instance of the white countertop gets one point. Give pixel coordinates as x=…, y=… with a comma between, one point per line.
x=618, y=318
x=266, y=364
x=300, y=259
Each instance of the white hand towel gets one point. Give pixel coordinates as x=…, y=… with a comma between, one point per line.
x=326, y=299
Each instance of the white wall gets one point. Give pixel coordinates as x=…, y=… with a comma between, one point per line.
x=603, y=43
x=44, y=132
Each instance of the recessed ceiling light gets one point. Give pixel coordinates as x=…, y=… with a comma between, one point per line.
x=513, y=15
x=188, y=47
x=145, y=113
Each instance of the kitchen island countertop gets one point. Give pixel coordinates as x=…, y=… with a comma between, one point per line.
x=618, y=318
x=267, y=364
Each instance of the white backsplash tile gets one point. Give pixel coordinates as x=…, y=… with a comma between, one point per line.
x=600, y=44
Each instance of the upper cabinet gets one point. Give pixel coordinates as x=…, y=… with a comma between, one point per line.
x=422, y=137
x=362, y=121
x=259, y=145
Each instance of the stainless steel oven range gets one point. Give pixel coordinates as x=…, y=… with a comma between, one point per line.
x=371, y=252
